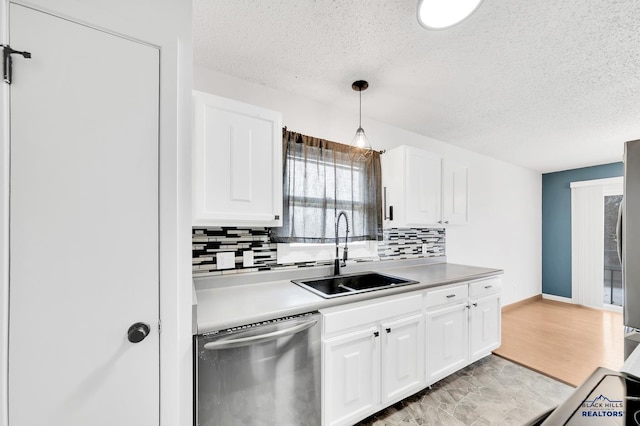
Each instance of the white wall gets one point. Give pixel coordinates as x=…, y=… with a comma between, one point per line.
x=505, y=200
x=166, y=24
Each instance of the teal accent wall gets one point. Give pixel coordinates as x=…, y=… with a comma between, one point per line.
x=556, y=223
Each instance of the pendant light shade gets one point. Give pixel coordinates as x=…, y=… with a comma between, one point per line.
x=441, y=14
x=360, y=147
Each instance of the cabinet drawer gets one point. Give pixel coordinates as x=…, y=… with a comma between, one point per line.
x=362, y=313
x=446, y=295
x=485, y=287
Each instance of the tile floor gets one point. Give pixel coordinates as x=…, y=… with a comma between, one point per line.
x=491, y=391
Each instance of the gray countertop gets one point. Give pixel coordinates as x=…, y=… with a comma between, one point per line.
x=230, y=301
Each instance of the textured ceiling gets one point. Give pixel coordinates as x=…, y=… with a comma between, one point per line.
x=546, y=84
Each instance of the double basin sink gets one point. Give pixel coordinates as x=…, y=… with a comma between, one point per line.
x=344, y=285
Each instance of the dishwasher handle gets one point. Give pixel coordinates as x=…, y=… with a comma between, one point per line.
x=261, y=338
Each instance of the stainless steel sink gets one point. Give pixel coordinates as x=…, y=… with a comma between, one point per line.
x=343, y=285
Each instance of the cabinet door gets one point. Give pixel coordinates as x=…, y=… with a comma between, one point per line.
x=237, y=163
x=485, y=322
x=350, y=377
x=447, y=341
x=402, y=358
x=423, y=188
x=393, y=178
x=455, y=190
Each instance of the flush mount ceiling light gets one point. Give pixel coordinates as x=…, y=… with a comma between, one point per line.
x=441, y=14
x=360, y=147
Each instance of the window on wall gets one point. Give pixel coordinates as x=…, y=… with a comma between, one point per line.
x=320, y=180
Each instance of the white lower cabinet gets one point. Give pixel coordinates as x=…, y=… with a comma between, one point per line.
x=484, y=326
x=352, y=373
x=402, y=358
x=372, y=356
x=447, y=341
x=463, y=325
x=377, y=352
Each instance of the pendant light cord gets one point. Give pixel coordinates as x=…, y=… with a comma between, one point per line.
x=360, y=122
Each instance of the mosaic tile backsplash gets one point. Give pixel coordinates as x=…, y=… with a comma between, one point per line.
x=397, y=243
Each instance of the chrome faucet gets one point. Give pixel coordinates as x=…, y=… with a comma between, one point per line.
x=336, y=262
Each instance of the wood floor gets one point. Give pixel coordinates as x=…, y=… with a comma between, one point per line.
x=564, y=341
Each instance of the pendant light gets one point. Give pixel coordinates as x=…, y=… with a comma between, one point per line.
x=441, y=14
x=360, y=147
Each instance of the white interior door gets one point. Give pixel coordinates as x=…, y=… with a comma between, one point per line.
x=83, y=225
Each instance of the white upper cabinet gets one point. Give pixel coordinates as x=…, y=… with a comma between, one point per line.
x=237, y=163
x=422, y=189
x=455, y=193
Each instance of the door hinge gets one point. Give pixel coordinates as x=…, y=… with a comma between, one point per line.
x=159, y=326
x=7, y=61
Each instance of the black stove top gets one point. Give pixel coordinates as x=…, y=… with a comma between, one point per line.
x=607, y=397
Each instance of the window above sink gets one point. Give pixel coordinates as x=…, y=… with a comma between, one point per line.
x=320, y=181
x=309, y=252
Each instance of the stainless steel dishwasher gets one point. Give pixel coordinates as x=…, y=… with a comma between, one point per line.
x=266, y=373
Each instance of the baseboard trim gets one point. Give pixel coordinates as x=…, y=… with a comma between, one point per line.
x=555, y=298
x=612, y=308
x=519, y=303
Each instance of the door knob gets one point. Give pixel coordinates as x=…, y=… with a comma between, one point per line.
x=137, y=332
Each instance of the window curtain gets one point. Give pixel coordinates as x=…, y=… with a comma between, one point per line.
x=320, y=180
x=587, y=245
x=587, y=239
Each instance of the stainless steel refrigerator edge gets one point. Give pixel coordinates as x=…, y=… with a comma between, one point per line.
x=629, y=239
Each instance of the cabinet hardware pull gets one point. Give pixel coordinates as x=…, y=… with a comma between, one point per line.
x=376, y=334
x=488, y=286
x=474, y=305
x=440, y=221
x=449, y=296
x=384, y=202
x=390, y=217
x=468, y=307
x=277, y=217
x=446, y=221
x=388, y=330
